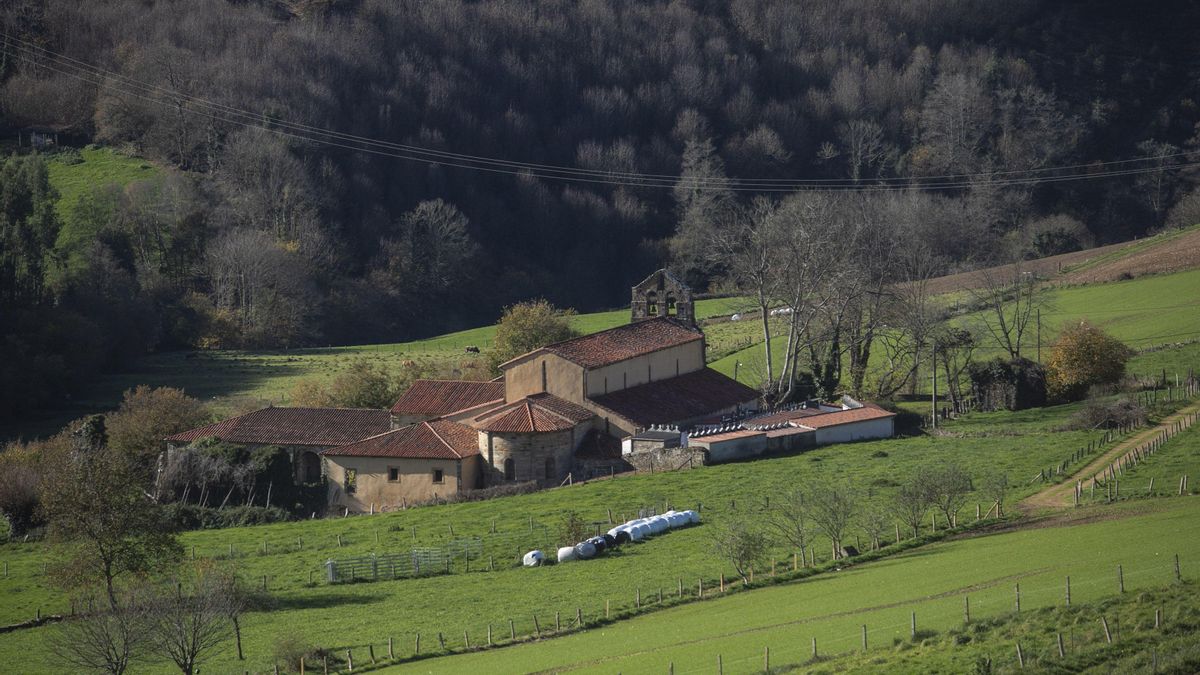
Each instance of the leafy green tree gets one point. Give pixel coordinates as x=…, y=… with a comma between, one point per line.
x=147, y=415
x=28, y=228
x=95, y=506
x=527, y=326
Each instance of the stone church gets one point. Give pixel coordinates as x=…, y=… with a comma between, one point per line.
x=555, y=412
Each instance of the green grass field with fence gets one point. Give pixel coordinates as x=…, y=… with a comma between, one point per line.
x=487, y=586
x=938, y=587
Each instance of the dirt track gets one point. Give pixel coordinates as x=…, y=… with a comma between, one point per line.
x=1058, y=496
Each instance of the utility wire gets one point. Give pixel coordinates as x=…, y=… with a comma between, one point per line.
x=169, y=98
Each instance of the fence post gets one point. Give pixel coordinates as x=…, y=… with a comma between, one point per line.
x=349, y=661
x=1107, y=635
x=1018, y=589
x=417, y=646
x=913, y=627
x=512, y=630
x=1178, y=577
x=814, y=648
x=1068, y=590
x=767, y=659
x=1062, y=654
x=1120, y=580
x=966, y=609
x=391, y=651
x=1020, y=656
x=864, y=636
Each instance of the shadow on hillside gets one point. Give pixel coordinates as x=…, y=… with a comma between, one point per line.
x=322, y=601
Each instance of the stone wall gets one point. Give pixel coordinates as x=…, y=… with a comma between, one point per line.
x=667, y=459
x=529, y=452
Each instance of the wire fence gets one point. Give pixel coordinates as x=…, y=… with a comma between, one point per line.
x=999, y=599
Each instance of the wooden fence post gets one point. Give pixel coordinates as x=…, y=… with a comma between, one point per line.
x=1107, y=635
x=1068, y=590
x=1020, y=656
x=864, y=636
x=966, y=609
x=1062, y=654
x=1120, y=579
x=1018, y=590
x=417, y=645
x=767, y=659
x=1178, y=577
x=349, y=661
x=512, y=630
x=391, y=651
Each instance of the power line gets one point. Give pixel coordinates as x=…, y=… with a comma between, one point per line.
x=94, y=75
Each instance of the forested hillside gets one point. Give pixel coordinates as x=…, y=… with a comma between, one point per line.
x=320, y=177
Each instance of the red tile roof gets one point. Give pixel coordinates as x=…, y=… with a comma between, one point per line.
x=293, y=426
x=534, y=414
x=869, y=411
x=677, y=399
x=622, y=343
x=441, y=397
x=435, y=439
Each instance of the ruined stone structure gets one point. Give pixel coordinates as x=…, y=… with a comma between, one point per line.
x=663, y=294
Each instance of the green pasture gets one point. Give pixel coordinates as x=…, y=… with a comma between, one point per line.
x=934, y=583
x=289, y=554
x=99, y=166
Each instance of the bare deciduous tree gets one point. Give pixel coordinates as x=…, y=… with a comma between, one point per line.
x=790, y=518
x=187, y=626
x=913, y=500
x=741, y=544
x=1010, y=296
x=950, y=485
x=102, y=638
x=833, y=507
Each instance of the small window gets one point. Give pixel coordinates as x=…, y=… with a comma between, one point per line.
x=550, y=468
x=350, y=482
x=510, y=469
x=393, y=474
x=438, y=476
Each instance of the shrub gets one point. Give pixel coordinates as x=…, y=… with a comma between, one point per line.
x=1008, y=385
x=193, y=517
x=1083, y=357
x=288, y=651
x=1101, y=414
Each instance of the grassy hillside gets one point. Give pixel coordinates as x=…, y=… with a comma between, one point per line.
x=1143, y=312
x=932, y=582
x=75, y=175
x=289, y=554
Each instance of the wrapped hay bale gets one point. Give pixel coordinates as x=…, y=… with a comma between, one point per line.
x=533, y=558
x=585, y=550
x=567, y=554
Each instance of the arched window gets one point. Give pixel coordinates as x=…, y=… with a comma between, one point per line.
x=652, y=303
x=510, y=469
x=550, y=468
x=670, y=305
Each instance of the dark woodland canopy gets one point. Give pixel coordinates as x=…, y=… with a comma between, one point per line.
x=262, y=240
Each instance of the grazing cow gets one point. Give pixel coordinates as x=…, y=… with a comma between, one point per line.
x=472, y=349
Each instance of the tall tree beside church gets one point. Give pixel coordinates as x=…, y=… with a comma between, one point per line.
x=701, y=199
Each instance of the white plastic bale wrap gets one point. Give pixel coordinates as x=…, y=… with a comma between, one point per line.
x=613, y=532
x=658, y=525
x=585, y=550
x=567, y=554
x=533, y=559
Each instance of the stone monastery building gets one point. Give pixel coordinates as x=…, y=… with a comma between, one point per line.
x=555, y=412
